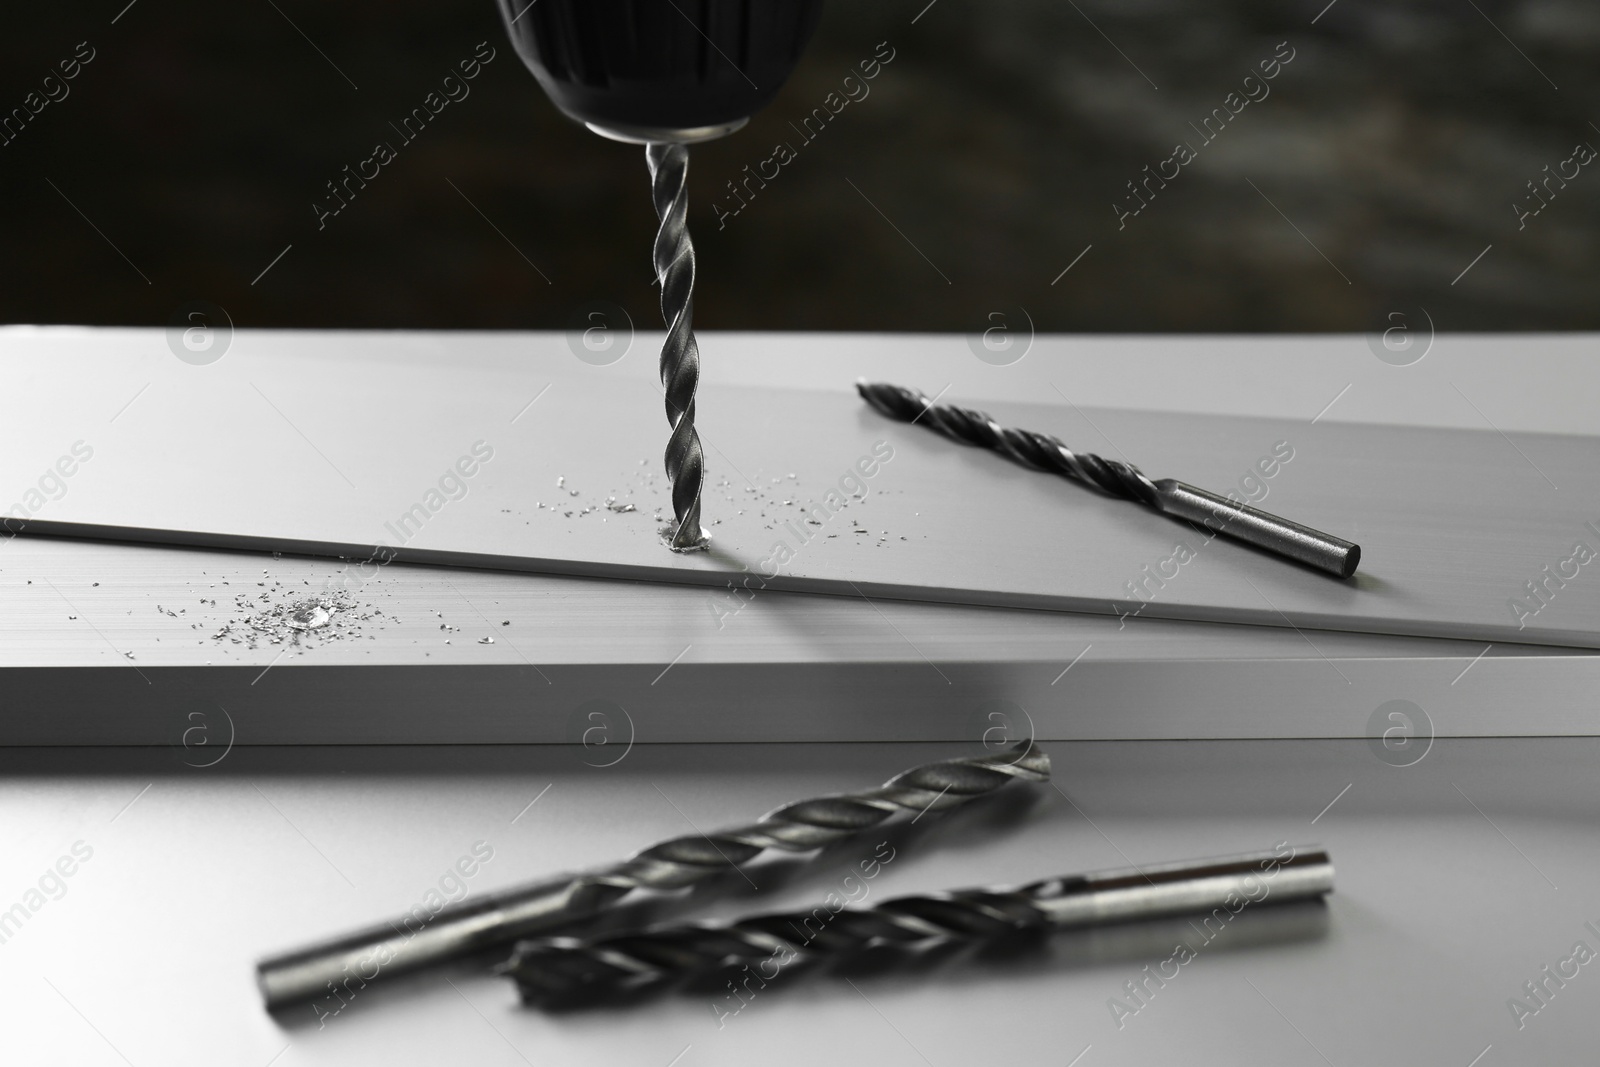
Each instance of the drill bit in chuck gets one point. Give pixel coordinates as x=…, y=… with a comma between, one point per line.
x=560, y=969
x=411, y=942
x=680, y=355
x=1041, y=451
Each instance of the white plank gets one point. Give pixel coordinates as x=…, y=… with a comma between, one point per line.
x=120, y=644
x=323, y=442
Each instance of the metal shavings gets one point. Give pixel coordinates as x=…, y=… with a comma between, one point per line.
x=284, y=616
x=772, y=502
x=311, y=616
x=668, y=534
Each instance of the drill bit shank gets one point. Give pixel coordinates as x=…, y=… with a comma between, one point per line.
x=1324, y=552
x=557, y=968
x=412, y=941
x=680, y=354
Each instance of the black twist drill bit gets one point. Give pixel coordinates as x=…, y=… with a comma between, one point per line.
x=1042, y=451
x=680, y=354
x=810, y=824
x=412, y=942
x=561, y=968
x=554, y=969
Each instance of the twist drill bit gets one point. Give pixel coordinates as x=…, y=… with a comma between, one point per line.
x=561, y=968
x=415, y=941
x=1041, y=451
x=680, y=354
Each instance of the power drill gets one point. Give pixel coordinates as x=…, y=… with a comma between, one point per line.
x=666, y=74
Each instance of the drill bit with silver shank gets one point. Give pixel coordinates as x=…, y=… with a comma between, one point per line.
x=680, y=355
x=1324, y=552
x=411, y=942
x=562, y=968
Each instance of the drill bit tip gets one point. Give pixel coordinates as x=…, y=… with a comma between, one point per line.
x=670, y=537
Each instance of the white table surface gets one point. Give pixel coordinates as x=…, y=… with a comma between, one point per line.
x=1458, y=878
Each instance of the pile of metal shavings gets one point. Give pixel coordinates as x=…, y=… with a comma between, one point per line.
x=280, y=614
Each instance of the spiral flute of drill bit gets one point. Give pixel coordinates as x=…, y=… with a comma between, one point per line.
x=1044, y=452
x=680, y=354
x=557, y=968
x=811, y=824
x=499, y=918
x=562, y=967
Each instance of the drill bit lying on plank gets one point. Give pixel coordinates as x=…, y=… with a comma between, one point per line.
x=1041, y=451
x=411, y=942
x=560, y=969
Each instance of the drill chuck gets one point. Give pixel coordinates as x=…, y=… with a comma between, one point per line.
x=660, y=71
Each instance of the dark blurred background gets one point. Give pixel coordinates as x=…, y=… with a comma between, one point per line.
x=1394, y=148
